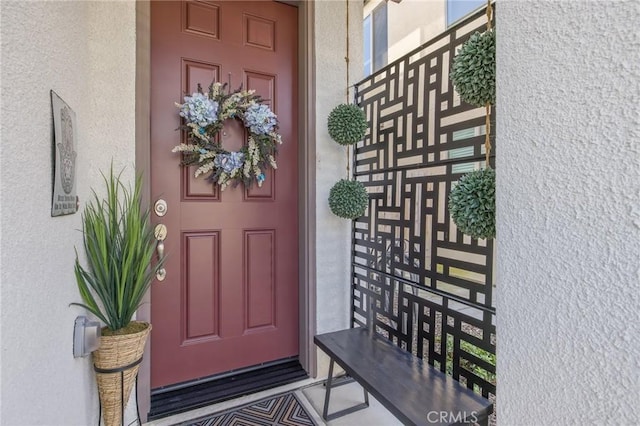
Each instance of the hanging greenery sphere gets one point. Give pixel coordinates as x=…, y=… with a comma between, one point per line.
x=347, y=124
x=472, y=204
x=348, y=199
x=474, y=69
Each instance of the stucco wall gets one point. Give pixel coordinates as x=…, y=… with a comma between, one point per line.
x=333, y=233
x=85, y=51
x=568, y=206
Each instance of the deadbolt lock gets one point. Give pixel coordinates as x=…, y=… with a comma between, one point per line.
x=160, y=207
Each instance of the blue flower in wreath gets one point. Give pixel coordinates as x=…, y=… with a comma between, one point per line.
x=229, y=162
x=260, y=119
x=261, y=178
x=199, y=109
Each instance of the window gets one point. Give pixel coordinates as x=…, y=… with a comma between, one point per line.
x=367, y=45
x=375, y=39
x=458, y=9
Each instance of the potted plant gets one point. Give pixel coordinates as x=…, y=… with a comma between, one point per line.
x=119, y=245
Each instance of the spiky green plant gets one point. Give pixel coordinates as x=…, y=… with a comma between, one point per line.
x=347, y=124
x=119, y=246
x=348, y=199
x=474, y=69
x=472, y=203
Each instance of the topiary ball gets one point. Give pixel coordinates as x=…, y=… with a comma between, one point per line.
x=472, y=204
x=347, y=124
x=348, y=199
x=474, y=69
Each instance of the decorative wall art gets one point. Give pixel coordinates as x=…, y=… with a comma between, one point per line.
x=64, y=199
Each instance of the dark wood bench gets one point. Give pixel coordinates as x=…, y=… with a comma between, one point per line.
x=411, y=389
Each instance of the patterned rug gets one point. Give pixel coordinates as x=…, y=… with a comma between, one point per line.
x=284, y=409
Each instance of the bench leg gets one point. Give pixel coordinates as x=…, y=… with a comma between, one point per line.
x=327, y=396
x=327, y=392
x=484, y=421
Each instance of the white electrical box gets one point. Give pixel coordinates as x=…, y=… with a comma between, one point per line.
x=86, y=337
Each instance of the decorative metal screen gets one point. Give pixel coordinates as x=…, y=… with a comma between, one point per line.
x=424, y=284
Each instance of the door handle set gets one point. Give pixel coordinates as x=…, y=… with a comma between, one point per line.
x=160, y=232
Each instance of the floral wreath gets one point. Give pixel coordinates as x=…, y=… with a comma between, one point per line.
x=205, y=114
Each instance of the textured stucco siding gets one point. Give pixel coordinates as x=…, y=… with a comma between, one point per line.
x=85, y=51
x=568, y=212
x=333, y=233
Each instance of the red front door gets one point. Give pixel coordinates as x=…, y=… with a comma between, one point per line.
x=230, y=297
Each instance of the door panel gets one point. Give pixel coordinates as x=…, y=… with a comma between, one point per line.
x=230, y=298
x=259, y=263
x=202, y=284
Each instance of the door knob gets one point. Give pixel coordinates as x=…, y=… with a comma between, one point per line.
x=160, y=232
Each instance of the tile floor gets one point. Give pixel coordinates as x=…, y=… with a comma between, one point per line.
x=311, y=395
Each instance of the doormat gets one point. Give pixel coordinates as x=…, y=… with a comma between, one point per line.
x=186, y=398
x=283, y=409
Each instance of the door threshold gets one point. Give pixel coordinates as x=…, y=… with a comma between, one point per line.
x=183, y=397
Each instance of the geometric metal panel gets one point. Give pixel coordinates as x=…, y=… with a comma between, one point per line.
x=425, y=285
x=457, y=337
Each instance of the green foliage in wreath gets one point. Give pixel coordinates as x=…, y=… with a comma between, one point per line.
x=472, y=204
x=348, y=199
x=474, y=69
x=347, y=124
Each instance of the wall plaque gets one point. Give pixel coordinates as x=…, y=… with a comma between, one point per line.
x=64, y=199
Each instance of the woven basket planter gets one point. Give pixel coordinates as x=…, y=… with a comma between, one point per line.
x=116, y=352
